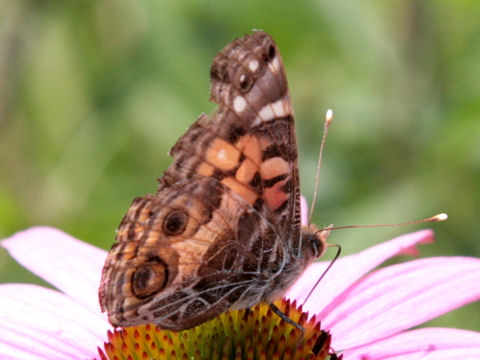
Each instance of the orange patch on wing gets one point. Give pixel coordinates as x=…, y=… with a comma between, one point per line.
x=129, y=251
x=126, y=289
x=222, y=155
x=250, y=146
x=205, y=169
x=154, y=237
x=246, y=171
x=122, y=233
x=275, y=196
x=274, y=167
x=264, y=143
x=144, y=214
x=246, y=193
x=138, y=231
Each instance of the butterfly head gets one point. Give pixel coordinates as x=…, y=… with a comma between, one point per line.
x=314, y=241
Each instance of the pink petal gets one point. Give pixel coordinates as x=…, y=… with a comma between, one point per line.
x=71, y=265
x=43, y=323
x=402, y=296
x=428, y=343
x=349, y=269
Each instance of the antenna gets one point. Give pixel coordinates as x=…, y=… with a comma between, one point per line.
x=328, y=120
x=435, y=218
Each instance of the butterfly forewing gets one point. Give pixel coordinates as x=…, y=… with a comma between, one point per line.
x=249, y=143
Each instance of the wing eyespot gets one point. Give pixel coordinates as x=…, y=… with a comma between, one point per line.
x=245, y=82
x=175, y=222
x=149, y=278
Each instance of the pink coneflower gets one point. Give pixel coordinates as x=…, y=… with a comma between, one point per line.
x=368, y=314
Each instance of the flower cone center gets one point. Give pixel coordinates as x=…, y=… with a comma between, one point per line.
x=257, y=333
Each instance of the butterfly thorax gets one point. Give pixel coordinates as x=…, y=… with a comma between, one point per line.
x=312, y=247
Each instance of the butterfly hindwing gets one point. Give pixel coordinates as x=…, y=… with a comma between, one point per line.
x=179, y=252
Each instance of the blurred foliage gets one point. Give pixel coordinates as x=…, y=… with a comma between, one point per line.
x=94, y=93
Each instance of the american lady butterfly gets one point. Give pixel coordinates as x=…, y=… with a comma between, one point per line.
x=223, y=230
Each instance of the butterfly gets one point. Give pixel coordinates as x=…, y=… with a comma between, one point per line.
x=223, y=230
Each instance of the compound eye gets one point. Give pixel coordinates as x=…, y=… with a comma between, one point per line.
x=317, y=243
x=315, y=246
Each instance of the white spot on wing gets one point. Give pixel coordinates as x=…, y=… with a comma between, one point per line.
x=275, y=65
x=253, y=65
x=221, y=155
x=266, y=113
x=272, y=111
x=278, y=108
x=239, y=104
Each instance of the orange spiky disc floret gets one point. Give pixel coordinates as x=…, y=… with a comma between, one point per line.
x=238, y=334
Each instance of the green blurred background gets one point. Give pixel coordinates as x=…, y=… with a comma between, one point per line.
x=94, y=93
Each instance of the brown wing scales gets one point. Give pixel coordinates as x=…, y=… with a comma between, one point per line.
x=249, y=142
x=226, y=214
x=188, y=236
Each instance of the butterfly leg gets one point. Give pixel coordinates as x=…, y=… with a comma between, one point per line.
x=320, y=344
x=284, y=317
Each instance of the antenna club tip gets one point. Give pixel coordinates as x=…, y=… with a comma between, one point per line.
x=329, y=116
x=440, y=217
